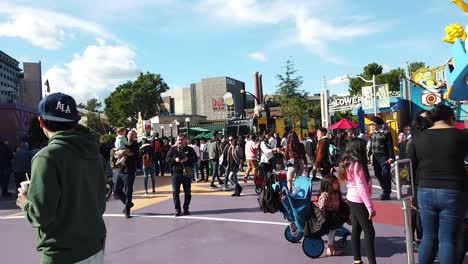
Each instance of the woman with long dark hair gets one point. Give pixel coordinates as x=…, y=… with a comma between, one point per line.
x=296, y=159
x=353, y=169
x=437, y=154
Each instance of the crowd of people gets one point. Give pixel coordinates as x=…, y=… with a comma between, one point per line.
x=73, y=161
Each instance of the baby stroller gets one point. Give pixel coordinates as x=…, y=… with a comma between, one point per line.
x=279, y=177
x=297, y=208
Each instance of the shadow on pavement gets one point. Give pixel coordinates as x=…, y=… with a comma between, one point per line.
x=8, y=204
x=389, y=246
x=227, y=211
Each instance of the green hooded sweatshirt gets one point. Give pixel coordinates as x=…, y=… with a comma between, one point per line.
x=66, y=198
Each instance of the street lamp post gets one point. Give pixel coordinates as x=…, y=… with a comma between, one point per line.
x=374, y=96
x=177, y=123
x=162, y=131
x=244, y=92
x=187, y=123
x=172, y=134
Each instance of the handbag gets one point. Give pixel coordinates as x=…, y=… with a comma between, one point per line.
x=188, y=171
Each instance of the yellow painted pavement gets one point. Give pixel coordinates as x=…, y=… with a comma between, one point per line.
x=164, y=193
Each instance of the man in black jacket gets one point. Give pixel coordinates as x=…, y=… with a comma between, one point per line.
x=381, y=149
x=181, y=157
x=126, y=176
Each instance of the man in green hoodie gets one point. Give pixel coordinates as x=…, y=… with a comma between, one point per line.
x=66, y=198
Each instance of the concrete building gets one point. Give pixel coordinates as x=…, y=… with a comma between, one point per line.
x=20, y=93
x=207, y=98
x=9, y=79
x=31, y=84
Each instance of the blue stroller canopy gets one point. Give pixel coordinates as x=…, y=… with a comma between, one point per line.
x=296, y=205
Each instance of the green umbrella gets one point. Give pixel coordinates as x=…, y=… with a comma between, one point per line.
x=199, y=129
x=200, y=136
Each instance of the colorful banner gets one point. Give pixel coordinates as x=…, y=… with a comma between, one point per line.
x=367, y=102
x=383, y=95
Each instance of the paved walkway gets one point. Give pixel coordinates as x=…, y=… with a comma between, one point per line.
x=221, y=229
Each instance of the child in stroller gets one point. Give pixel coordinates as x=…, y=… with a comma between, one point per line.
x=335, y=210
x=298, y=209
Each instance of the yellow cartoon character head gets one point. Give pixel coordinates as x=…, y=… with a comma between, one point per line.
x=425, y=77
x=454, y=32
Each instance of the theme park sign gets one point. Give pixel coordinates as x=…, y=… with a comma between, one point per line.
x=344, y=103
x=348, y=103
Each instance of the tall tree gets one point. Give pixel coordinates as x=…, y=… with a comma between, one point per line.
x=392, y=78
x=356, y=84
x=289, y=95
x=93, y=118
x=93, y=105
x=414, y=66
x=289, y=85
x=142, y=95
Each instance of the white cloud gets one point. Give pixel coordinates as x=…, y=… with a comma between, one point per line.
x=44, y=28
x=385, y=68
x=338, y=80
x=258, y=56
x=95, y=73
x=249, y=11
x=315, y=34
x=312, y=30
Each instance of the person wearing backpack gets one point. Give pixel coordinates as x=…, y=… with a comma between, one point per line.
x=204, y=159
x=157, y=145
x=214, y=151
x=267, y=155
x=269, y=199
x=147, y=155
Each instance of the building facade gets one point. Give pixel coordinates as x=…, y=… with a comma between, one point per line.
x=10, y=74
x=207, y=98
x=31, y=84
x=20, y=93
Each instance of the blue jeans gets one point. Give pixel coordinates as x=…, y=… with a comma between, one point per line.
x=149, y=171
x=442, y=214
x=195, y=171
x=215, y=163
x=231, y=175
x=125, y=181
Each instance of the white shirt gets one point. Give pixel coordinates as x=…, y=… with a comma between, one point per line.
x=272, y=142
x=202, y=146
x=267, y=152
x=284, y=142
x=197, y=150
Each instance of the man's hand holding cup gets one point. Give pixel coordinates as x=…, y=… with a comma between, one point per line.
x=22, y=194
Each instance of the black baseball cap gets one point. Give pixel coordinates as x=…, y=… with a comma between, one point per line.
x=58, y=107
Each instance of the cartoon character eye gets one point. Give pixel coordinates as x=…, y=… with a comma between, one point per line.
x=428, y=75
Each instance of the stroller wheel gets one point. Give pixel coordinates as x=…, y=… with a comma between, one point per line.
x=258, y=189
x=342, y=243
x=289, y=236
x=313, y=247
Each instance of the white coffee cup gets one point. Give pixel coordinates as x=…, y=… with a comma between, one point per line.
x=25, y=185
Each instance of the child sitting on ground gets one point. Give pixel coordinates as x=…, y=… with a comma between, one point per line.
x=331, y=203
x=121, y=144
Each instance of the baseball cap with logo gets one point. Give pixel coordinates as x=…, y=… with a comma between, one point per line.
x=58, y=107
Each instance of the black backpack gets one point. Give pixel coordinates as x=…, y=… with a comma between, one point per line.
x=269, y=199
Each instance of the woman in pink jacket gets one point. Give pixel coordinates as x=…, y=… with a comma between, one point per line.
x=353, y=169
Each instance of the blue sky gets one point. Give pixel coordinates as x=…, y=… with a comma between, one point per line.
x=89, y=47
